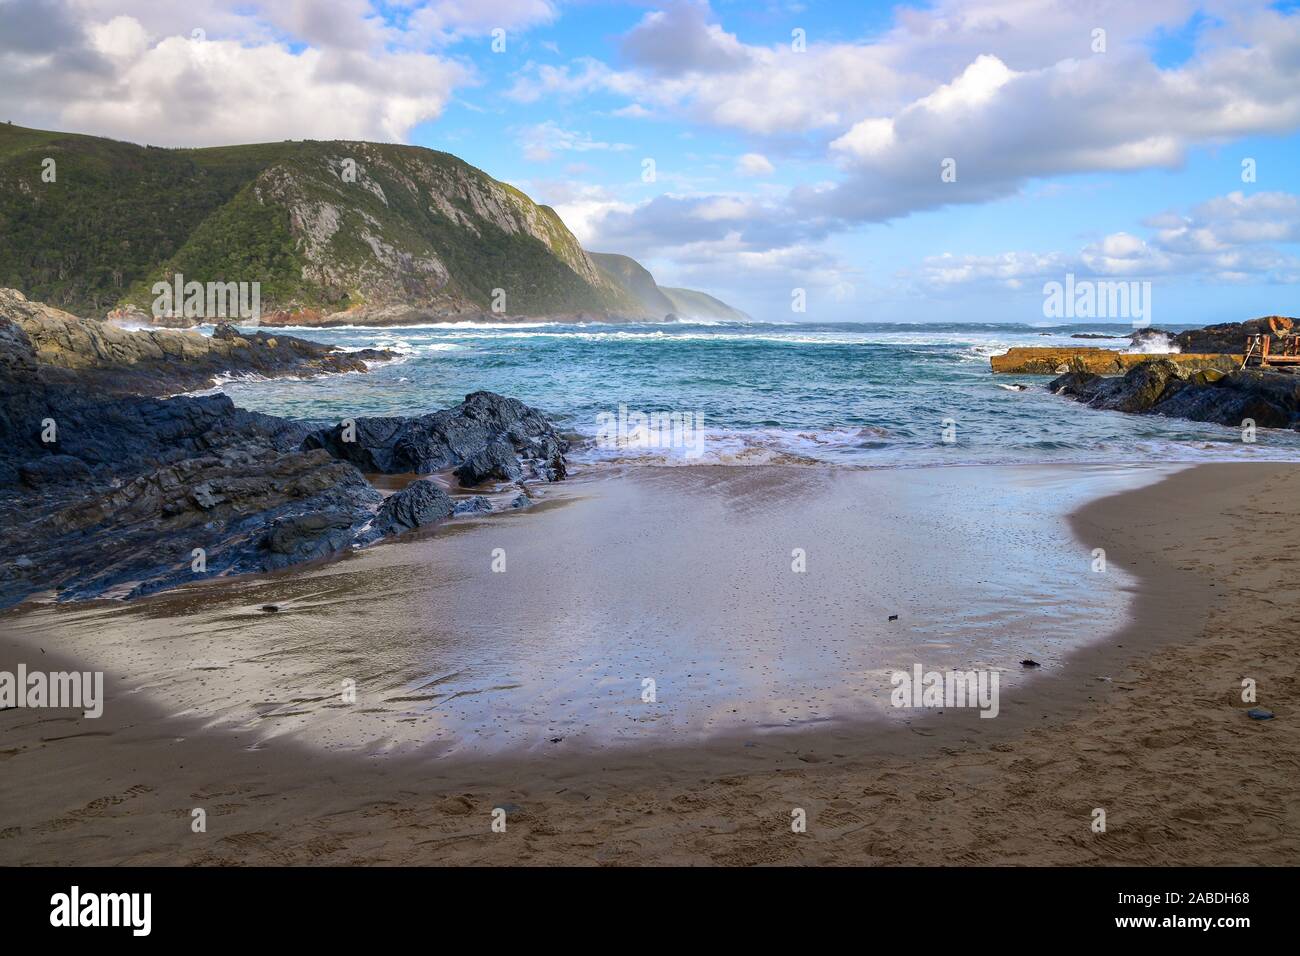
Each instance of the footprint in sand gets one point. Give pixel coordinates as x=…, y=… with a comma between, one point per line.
x=95, y=808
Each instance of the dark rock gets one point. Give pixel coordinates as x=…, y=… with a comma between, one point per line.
x=163, y=478
x=477, y=505
x=1028, y=662
x=1080, y=385
x=1140, y=388
x=452, y=438
x=270, y=608
x=1225, y=337
x=1226, y=403
x=1259, y=713
x=17, y=357
x=496, y=462
x=307, y=537
x=1137, y=390
x=418, y=504
x=1270, y=399
x=52, y=469
x=521, y=501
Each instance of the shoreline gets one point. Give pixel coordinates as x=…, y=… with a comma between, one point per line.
x=900, y=796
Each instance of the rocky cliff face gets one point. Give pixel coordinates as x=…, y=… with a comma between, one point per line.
x=381, y=226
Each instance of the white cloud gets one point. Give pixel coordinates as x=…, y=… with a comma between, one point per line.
x=1231, y=220
x=1225, y=239
x=1009, y=89
x=543, y=140
x=582, y=207
x=448, y=20
x=1122, y=254
x=683, y=39
x=754, y=164
x=1003, y=127
x=721, y=208
x=183, y=92
x=215, y=73
x=1011, y=269
x=539, y=81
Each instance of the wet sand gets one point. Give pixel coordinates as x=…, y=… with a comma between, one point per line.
x=1141, y=716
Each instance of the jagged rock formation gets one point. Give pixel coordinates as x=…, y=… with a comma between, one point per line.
x=483, y=438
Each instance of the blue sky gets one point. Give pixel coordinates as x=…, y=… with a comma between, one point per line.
x=1106, y=142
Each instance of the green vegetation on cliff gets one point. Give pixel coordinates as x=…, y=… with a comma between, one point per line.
x=321, y=225
x=113, y=212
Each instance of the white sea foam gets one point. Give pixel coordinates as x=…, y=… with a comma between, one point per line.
x=1159, y=344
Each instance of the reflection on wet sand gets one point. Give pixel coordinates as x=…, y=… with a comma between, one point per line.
x=650, y=606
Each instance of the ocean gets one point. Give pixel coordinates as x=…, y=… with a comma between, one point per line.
x=864, y=394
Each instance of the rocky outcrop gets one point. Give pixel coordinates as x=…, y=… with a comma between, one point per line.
x=153, y=361
x=119, y=495
x=485, y=437
x=419, y=504
x=1099, y=361
x=133, y=494
x=496, y=462
x=141, y=494
x=1162, y=387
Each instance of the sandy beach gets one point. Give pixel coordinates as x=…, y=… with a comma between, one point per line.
x=520, y=690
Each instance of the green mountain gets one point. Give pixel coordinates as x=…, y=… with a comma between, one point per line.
x=401, y=232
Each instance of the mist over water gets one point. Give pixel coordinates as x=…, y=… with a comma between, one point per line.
x=875, y=394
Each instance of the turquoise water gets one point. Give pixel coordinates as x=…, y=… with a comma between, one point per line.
x=853, y=393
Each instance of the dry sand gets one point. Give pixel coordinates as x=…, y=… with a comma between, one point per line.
x=1163, y=744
